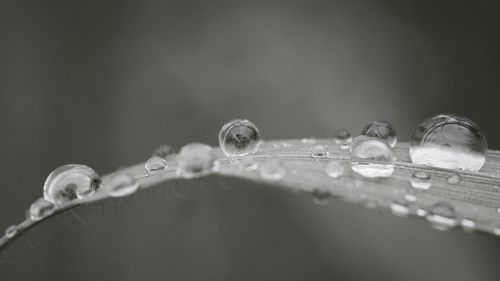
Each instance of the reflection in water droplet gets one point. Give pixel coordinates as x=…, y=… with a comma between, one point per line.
x=163, y=151
x=239, y=137
x=449, y=141
x=321, y=196
x=442, y=216
x=121, y=184
x=196, y=159
x=382, y=130
x=155, y=164
x=70, y=182
x=319, y=151
x=343, y=138
x=371, y=157
x=273, y=170
x=335, y=168
x=420, y=180
x=454, y=179
x=40, y=209
x=400, y=208
x=468, y=225
x=11, y=231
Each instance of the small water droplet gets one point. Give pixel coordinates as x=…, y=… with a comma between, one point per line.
x=420, y=180
x=449, y=141
x=70, y=182
x=410, y=197
x=40, y=209
x=196, y=159
x=468, y=225
x=442, y=216
x=273, y=170
x=335, y=168
x=421, y=212
x=319, y=151
x=454, y=179
x=321, y=196
x=496, y=231
x=155, y=164
x=308, y=140
x=249, y=164
x=121, y=184
x=163, y=151
x=343, y=138
x=11, y=231
x=382, y=130
x=372, y=157
x=239, y=137
x=498, y=210
x=400, y=208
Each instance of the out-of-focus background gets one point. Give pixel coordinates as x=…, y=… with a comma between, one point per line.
x=104, y=82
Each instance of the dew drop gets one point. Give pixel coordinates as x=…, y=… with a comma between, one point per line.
x=273, y=170
x=420, y=180
x=449, y=141
x=321, y=196
x=40, y=209
x=196, y=159
x=468, y=225
x=400, y=208
x=11, y=231
x=239, y=137
x=319, y=151
x=155, y=164
x=343, y=138
x=410, y=197
x=421, y=212
x=335, y=168
x=121, y=184
x=382, y=130
x=454, y=179
x=372, y=157
x=442, y=216
x=163, y=151
x=249, y=164
x=70, y=182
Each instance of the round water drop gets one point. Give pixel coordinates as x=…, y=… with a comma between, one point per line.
x=11, y=231
x=449, y=141
x=70, y=182
x=155, y=164
x=372, y=158
x=321, y=196
x=335, y=168
x=239, y=137
x=196, y=159
x=273, y=170
x=319, y=151
x=420, y=180
x=121, y=184
x=382, y=130
x=400, y=208
x=343, y=138
x=163, y=151
x=442, y=216
x=40, y=209
x=468, y=225
x=454, y=179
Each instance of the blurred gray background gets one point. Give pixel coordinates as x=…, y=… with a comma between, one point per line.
x=104, y=82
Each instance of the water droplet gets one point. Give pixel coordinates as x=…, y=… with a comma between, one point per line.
x=163, y=151
x=308, y=140
x=155, y=164
x=343, y=138
x=335, y=168
x=496, y=231
x=400, y=208
x=410, y=197
x=421, y=212
x=321, y=196
x=40, y=209
x=249, y=164
x=454, y=179
x=420, y=180
x=196, y=159
x=449, y=141
x=382, y=130
x=319, y=151
x=498, y=210
x=372, y=158
x=70, y=182
x=273, y=170
x=442, y=216
x=11, y=231
x=468, y=225
x=121, y=184
x=239, y=137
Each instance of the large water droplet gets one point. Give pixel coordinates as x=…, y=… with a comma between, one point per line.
x=239, y=137
x=319, y=151
x=163, y=151
x=273, y=170
x=343, y=138
x=11, y=231
x=400, y=208
x=371, y=157
x=382, y=130
x=449, y=141
x=155, y=164
x=335, y=168
x=442, y=216
x=196, y=159
x=420, y=180
x=40, y=209
x=121, y=184
x=70, y=182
